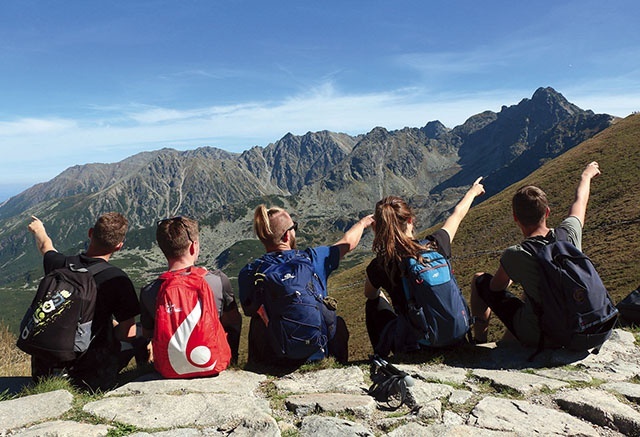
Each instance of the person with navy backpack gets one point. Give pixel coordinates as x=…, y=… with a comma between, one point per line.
x=565, y=303
x=427, y=308
x=293, y=319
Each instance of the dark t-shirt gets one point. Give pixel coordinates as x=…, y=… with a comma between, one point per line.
x=117, y=298
x=379, y=278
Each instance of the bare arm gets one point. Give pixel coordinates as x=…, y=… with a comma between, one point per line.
x=462, y=208
x=43, y=242
x=579, y=206
x=352, y=237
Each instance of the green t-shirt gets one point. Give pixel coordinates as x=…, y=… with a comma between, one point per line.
x=522, y=268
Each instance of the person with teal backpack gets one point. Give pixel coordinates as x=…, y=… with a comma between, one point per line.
x=427, y=308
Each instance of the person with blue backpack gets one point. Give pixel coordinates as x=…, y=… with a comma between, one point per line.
x=293, y=319
x=427, y=308
x=565, y=303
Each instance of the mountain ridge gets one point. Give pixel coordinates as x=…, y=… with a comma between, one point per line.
x=327, y=179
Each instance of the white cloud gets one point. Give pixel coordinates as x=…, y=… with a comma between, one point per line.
x=31, y=126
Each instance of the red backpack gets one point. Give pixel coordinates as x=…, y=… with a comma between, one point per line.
x=188, y=340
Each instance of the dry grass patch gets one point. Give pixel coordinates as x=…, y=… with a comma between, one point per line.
x=13, y=362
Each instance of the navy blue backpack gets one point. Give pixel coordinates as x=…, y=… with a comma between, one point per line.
x=575, y=311
x=436, y=307
x=298, y=321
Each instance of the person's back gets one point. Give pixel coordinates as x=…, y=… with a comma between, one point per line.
x=518, y=263
x=116, y=298
x=439, y=316
x=188, y=304
x=277, y=231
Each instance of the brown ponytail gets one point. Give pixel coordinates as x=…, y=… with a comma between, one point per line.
x=391, y=242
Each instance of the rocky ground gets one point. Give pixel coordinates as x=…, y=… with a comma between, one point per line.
x=485, y=390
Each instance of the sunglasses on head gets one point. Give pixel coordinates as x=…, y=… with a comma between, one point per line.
x=180, y=220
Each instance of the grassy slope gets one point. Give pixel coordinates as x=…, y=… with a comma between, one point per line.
x=611, y=233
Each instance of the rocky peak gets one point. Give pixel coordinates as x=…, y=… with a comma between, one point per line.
x=435, y=129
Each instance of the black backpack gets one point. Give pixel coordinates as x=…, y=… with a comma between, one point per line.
x=629, y=308
x=575, y=309
x=57, y=324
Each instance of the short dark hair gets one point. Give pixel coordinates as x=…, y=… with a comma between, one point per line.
x=530, y=205
x=109, y=230
x=175, y=235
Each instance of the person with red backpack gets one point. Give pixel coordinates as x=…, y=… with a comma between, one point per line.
x=293, y=319
x=190, y=313
x=116, y=306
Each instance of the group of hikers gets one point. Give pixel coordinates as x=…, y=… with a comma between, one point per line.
x=191, y=323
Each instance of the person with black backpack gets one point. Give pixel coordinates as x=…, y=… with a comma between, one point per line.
x=88, y=287
x=427, y=308
x=293, y=319
x=565, y=303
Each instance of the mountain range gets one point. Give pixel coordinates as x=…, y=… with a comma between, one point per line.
x=327, y=179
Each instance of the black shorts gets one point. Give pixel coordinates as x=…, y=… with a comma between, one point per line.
x=502, y=303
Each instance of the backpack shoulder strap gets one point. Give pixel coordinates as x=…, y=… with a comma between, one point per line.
x=561, y=234
x=98, y=267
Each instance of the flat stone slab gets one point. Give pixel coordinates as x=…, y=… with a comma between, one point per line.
x=60, y=428
x=425, y=392
x=347, y=380
x=602, y=408
x=525, y=418
x=627, y=389
x=440, y=430
x=523, y=383
x=17, y=413
x=314, y=426
x=193, y=409
x=178, y=432
x=236, y=382
x=564, y=375
x=361, y=406
x=436, y=373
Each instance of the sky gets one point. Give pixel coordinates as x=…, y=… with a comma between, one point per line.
x=99, y=81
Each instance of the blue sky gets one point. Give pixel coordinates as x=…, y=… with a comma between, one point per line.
x=88, y=81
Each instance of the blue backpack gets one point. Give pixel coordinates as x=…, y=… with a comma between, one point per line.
x=287, y=292
x=575, y=310
x=436, y=307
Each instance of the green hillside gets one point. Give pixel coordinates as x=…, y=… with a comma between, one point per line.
x=611, y=233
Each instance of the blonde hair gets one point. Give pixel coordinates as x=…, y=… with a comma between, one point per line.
x=270, y=225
